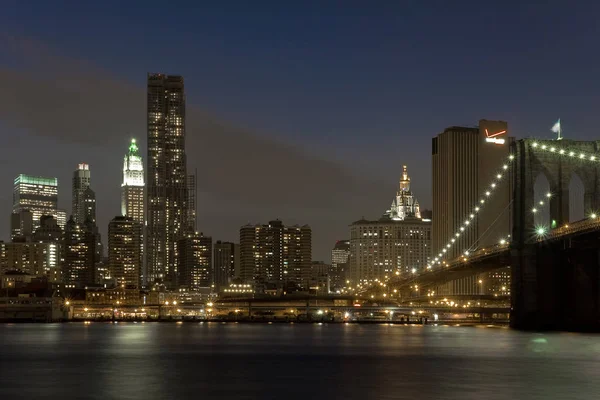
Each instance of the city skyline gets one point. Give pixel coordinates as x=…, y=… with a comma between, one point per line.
x=337, y=139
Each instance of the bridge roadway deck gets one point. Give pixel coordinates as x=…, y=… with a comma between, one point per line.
x=488, y=259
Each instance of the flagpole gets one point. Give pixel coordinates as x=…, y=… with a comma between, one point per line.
x=559, y=130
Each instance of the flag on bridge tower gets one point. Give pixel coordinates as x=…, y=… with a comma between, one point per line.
x=556, y=129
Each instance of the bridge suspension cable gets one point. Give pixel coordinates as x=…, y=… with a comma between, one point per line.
x=483, y=235
x=496, y=181
x=551, y=148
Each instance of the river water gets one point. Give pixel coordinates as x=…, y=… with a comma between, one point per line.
x=297, y=361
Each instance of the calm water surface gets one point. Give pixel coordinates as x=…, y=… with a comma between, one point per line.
x=239, y=361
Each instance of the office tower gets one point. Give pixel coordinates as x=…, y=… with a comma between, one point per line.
x=399, y=242
x=36, y=194
x=21, y=226
x=464, y=162
x=133, y=195
x=226, y=261
x=169, y=211
x=297, y=254
x=404, y=204
x=125, y=251
x=275, y=254
x=81, y=181
x=79, y=268
x=132, y=188
x=382, y=248
x=89, y=205
x=195, y=262
x=339, y=263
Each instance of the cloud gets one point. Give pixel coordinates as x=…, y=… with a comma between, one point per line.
x=71, y=101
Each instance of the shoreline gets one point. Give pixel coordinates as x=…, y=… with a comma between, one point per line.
x=265, y=322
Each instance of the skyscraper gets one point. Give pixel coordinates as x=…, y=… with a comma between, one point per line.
x=132, y=188
x=464, y=161
x=81, y=181
x=169, y=209
x=195, y=262
x=125, y=251
x=384, y=247
x=275, y=254
x=399, y=242
x=89, y=205
x=226, y=261
x=36, y=194
x=85, y=205
x=132, y=196
x=339, y=263
x=79, y=268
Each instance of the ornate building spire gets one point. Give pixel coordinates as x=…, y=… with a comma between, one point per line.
x=404, y=204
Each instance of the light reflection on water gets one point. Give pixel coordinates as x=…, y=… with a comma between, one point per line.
x=254, y=361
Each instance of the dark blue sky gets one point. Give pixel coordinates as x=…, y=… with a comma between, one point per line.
x=362, y=84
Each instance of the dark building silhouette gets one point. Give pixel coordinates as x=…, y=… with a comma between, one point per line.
x=226, y=263
x=194, y=262
x=79, y=268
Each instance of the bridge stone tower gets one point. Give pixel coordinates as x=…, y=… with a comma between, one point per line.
x=542, y=272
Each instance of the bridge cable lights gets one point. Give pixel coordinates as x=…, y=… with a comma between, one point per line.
x=476, y=209
x=541, y=231
x=570, y=153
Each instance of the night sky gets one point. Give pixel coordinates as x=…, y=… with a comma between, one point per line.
x=303, y=111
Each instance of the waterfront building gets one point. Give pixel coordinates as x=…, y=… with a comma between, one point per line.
x=275, y=254
x=385, y=247
x=398, y=243
x=194, y=262
x=339, y=264
x=125, y=251
x=226, y=263
x=79, y=268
